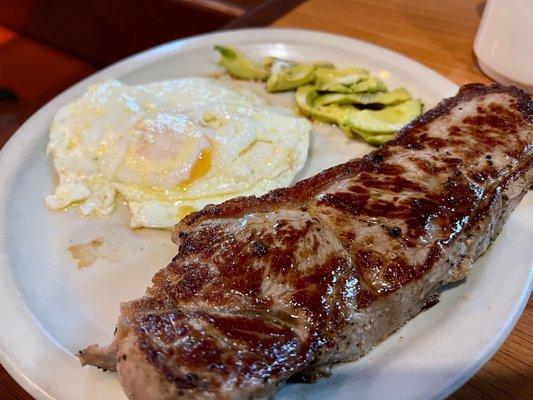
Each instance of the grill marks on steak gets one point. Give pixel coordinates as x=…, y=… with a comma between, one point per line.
x=253, y=289
x=264, y=288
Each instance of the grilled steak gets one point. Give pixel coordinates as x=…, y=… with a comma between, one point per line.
x=284, y=285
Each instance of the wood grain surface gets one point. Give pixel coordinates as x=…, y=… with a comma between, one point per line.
x=437, y=33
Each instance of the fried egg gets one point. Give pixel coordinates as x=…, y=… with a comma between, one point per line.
x=169, y=148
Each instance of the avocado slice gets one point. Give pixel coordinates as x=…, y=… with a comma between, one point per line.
x=369, y=85
x=291, y=77
x=372, y=138
x=377, y=126
x=286, y=75
x=239, y=66
x=275, y=64
x=324, y=65
x=327, y=78
x=333, y=114
x=305, y=99
x=389, y=98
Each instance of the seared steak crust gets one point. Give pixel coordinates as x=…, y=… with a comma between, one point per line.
x=264, y=289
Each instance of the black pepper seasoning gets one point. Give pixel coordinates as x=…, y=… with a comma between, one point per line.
x=395, y=231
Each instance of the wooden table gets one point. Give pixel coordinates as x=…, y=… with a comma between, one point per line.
x=437, y=33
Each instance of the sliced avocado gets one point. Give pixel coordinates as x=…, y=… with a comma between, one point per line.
x=274, y=64
x=269, y=61
x=347, y=131
x=286, y=75
x=369, y=85
x=332, y=114
x=376, y=126
x=305, y=98
x=240, y=67
x=373, y=138
x=291, y=77
x=389, y=98
x=324, y=65
x=326, y=78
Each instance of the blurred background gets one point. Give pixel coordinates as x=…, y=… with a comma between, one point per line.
x=47, y=45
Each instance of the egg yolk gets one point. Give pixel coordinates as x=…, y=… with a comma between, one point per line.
x=200, y=168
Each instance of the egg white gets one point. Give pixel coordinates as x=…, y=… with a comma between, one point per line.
x=171, y=147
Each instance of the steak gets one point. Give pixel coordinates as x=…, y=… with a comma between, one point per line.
x=285, y=285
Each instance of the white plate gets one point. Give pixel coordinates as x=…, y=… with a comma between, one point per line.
x=49, y=309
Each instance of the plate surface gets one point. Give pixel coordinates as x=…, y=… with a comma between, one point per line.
x=49, y=308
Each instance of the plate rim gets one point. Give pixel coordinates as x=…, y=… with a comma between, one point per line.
x=23, y=136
